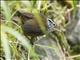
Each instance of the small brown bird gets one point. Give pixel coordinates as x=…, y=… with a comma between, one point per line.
x=30, y=25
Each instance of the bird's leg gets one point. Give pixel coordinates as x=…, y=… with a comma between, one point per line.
x=32, y=40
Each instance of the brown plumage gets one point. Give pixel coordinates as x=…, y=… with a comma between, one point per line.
x=30, y=25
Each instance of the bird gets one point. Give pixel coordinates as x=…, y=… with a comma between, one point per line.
x=30, y=25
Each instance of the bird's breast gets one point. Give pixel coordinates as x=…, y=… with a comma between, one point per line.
x=32, y=27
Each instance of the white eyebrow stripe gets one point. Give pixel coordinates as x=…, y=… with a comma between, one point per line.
x=49, y=20
x=51, y=24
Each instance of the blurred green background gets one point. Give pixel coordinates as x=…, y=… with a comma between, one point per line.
x=63, y=43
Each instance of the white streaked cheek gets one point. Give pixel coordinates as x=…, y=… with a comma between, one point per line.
x=50, y=23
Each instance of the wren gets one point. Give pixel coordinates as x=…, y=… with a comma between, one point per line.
x=30, y=25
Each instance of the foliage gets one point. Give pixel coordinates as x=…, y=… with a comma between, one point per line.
x=14, y=45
